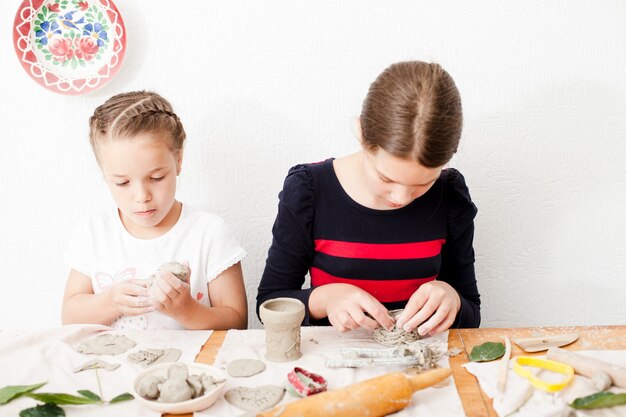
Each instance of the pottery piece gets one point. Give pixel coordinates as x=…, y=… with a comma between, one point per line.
x=242, y=368
x=282, y=318
x=255, y=399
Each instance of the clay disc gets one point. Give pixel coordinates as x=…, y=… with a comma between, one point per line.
x=255, y=399
x=242, y=368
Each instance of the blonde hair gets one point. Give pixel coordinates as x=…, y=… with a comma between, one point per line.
x=128, y=114
x=413, y=110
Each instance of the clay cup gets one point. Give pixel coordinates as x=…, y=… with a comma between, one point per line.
x=282, y=318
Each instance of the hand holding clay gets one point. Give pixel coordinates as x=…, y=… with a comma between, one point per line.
x=346, y=306
x=170, y=294
x=131, y=298
x=433, y=307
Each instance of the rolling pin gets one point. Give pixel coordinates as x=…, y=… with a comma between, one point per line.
x=374, y=397
x=587, y=366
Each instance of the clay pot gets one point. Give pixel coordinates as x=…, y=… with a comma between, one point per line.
x=282, y=318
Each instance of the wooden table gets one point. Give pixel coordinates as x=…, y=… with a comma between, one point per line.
x=475, y=402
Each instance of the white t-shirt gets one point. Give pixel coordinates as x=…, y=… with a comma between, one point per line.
x=103, y=250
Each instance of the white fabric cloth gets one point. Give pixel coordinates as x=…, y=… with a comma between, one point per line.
x=520, y=399
x=319, y=344
x=50, y=355
x=102, y=249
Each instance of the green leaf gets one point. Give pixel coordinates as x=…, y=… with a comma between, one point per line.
x=74, y=63
x=122, y=397
x=599, y=400
x=89, y=394
x=48, y=57
x=487, y=352
x=60, y=398
x=46, y=410
x=13, y=391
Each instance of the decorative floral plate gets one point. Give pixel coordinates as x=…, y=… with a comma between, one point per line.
x=70, y=46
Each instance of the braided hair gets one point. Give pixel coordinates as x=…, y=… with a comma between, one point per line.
x=129, y=114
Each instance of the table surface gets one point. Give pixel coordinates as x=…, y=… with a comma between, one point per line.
x=475, y=402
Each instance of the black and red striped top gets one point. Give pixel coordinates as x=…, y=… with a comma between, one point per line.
x=319, y=229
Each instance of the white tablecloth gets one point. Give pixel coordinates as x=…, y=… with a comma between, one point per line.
x=49, y=355
x=521, y=400
x=318, y=344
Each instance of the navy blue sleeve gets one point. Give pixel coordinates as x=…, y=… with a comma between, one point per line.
x=457, y=254
x=292, y=249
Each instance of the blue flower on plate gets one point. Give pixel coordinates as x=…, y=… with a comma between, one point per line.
x=96, y=32
x=47, y=30
x=68, y=20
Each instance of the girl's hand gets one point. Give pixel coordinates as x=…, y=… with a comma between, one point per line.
x=170, y=295
x=131, y=298
x=345, y=306
x=433, y=307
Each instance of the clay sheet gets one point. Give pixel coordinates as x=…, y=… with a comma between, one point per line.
x=48, y=355
x=318, y=344
x=520, y=400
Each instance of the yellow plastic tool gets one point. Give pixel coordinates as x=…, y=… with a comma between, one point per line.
x=561, y=368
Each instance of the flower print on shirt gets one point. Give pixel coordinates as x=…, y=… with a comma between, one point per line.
x=103, y=279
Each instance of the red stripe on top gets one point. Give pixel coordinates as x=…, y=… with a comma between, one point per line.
x=385, y=291
x=415, y=250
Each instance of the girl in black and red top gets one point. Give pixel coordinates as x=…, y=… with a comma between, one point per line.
x=386, y=227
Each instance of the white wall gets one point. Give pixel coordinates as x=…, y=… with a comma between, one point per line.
x=261, y=86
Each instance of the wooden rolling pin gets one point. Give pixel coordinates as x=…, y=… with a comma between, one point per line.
x=374, y=397
x=587, y=366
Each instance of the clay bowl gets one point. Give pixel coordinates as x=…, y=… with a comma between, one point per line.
x=203, y=402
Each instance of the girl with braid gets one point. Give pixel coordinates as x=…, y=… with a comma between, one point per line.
x=387, y=227
x=115, y=256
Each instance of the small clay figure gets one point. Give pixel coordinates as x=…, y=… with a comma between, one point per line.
x=175, y=388
x=148, y=386
x=178, y=386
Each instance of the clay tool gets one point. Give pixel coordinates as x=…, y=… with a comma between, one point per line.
x=529, y=361
x=374, y=397
x=537, y=344
x=588, y=367
x=503, y=370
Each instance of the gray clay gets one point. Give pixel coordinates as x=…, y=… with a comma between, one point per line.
x=145, y=357
x=175, y=388
x=106, y=344
x=242, y=368
x=178, y=386
x=395, y=336
x=255, y=399
x=601, y=380
x=170, y=355
x=179, y=270
x=154, y=356
x=97, y=363
x=148, y=386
